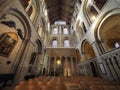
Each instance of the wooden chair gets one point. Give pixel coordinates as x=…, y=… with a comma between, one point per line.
x=20, y=88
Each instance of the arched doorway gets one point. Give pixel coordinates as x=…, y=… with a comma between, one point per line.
x=94, y=72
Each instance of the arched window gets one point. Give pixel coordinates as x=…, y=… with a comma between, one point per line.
x=100, y=3
x=39, y=46
x=54, y=43
x=84, y=28
x=92, y=13
x=24, y=3
x=55, y=30
x=110, y=36
x=65, y=30
x=30, y=11
x=30, y=8
x=33, y=57
x=66, y=43
x=7, y=43
x=117, y=45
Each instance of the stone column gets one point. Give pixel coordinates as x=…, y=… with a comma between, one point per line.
x=61, y=64
x=76, y=65
x=72, y=66
x=66, y=66
x=54, y=65
x=49, y=59
x=60, y=33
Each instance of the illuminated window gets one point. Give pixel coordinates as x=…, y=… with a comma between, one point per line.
x=65, y=31
x=117, y=45
x=54, y=43
x=66, y=43
x=55, y=31
x=7, y=43
x=60, y=22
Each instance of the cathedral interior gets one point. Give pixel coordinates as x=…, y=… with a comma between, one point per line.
x=60, y=44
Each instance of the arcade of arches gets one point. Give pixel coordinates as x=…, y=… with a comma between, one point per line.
x=59, y=38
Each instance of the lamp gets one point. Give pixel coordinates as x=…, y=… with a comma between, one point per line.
x=58, y=62
x=93, y=17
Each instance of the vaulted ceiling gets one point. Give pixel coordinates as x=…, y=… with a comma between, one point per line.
x=60, y=10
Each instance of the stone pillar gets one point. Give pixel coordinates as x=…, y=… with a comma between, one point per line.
x=72, y=66
x=60, y=33
x=61, y=65
x=49, y=59
x=76, y=65
x=66, y=66
x=54, y=65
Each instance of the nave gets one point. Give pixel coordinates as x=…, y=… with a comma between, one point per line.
x=65, y=83
x=78, y=40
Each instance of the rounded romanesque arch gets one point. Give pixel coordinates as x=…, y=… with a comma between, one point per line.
x=109, y=32
x=87, y=50
x=19, y=25
x=23, y=20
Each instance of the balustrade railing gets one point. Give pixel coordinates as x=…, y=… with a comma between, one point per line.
x=112, y=61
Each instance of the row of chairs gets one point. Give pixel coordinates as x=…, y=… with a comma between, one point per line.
x=71, y=83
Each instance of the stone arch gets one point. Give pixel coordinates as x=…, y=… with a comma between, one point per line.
x=79, y=30
x=92, y=12
x=33, y=14
x=106, y=19
x=23, y=20
x=19, y=59
x=66, y=41
x=84, y=10
x=54, y=39
x=40, y=47
x=30, y=7
x=110, y=35
x=87, y=50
